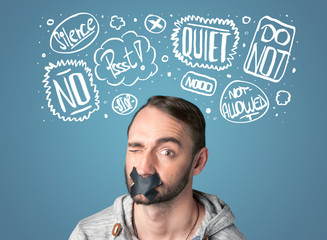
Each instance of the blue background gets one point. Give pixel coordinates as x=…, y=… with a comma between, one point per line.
x=272, y=172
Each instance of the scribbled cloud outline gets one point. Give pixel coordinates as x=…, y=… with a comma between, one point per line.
x=146, y=67
x=211, y=21
x=117, y=22
x=283, y=98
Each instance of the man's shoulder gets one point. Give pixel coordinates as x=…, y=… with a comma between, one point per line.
x=229, y=233
x=100, y=224
x=102, y=221
x=103, y=215
x=95, y=226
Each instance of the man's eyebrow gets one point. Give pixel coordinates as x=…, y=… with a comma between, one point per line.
x=135, y=144
x=169, y=139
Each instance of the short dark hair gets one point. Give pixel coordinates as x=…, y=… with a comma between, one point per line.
x=183, y=111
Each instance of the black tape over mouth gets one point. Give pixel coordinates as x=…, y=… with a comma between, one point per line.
x=145, y=186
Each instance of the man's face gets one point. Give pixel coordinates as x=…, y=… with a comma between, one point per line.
x=158, y=143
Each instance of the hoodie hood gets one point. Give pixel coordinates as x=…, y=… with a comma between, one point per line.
x=218, y=215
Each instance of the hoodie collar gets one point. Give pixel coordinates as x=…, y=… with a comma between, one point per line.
x=217, y=215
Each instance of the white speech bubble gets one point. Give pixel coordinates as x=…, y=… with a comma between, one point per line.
x=205, y=43
x=125, y=60
x=75, y=33
x=71, y=93
x=124, y=104
x=155, y=24
x=243, y=102
x=199, y=83
x=270, y=49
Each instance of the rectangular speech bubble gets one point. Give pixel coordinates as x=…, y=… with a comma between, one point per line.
x=270, y=49
x=199, y=83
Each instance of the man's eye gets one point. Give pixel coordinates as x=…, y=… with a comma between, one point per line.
x=133, y=150
x=167, y=152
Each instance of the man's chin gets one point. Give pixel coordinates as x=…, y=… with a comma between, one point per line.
x=141, y=200
x=157, y=200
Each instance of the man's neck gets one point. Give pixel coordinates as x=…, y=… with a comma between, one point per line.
x=169, y=220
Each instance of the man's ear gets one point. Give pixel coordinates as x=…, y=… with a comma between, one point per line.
x=200, y=160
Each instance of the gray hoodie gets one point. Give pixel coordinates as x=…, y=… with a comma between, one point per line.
x=217, y=224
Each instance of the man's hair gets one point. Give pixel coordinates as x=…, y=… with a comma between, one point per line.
x=183, y=111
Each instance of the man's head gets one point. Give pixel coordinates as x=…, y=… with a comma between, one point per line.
x=184, y=111
x=166, y=138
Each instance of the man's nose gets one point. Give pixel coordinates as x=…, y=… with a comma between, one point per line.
x=146, y=164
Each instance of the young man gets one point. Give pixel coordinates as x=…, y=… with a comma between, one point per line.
x=166, y=148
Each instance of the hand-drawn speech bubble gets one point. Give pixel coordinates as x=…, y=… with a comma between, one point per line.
x=283, y=98
x=155, y=24
x=124, y=103
x=243, y=102
x=205, y=43
x=125, y=60
x=75, y=33
x=199, y=83
x=71, y=93
x=270, y=49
